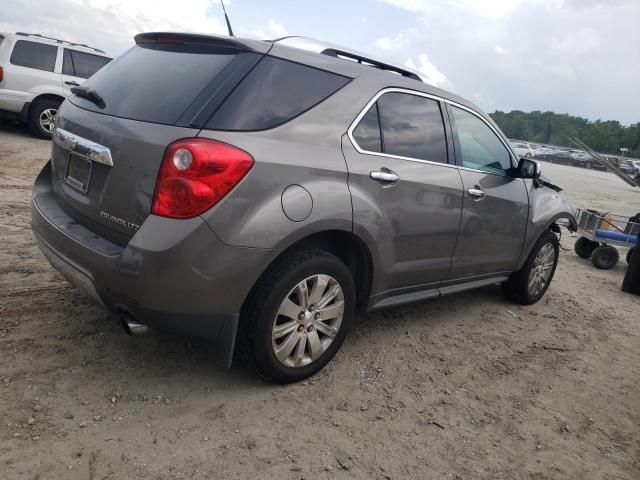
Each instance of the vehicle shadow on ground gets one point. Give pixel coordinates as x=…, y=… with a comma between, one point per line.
x=20, y=129
x=158, y=358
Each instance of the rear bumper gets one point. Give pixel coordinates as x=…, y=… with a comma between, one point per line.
x=174, y=275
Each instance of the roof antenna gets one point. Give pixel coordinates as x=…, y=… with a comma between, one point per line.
x=227, y=19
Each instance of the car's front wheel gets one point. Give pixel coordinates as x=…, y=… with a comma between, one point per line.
x=297, y=316
x=528, y=285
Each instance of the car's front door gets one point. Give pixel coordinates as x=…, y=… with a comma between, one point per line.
x=406, y=195
x=496, y=204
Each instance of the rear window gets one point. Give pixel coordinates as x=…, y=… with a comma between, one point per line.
x=154, y=83
x=81, y=64
x=274, y=92
x=34, y=55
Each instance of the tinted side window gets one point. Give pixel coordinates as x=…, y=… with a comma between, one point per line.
x=367, y=133
x=86, y=64
x=67, y=63
x=34, y=55
x=480, y=148
x=274, y=92
x=412, y=127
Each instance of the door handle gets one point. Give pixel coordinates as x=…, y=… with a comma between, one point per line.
x=477, y=193
x=384, y=175
x=74, y=84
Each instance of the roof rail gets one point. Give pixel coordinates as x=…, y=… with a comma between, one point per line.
x=370, y=62
x=23, y=34
x=331, y=50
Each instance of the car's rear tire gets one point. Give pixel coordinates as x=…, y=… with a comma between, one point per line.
x=530, y=283
x=42, y=114
x=584, y=247
x=285, y=338
x=605, y=257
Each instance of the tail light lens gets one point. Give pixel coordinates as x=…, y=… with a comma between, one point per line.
x=1, y=74
x=196, y=173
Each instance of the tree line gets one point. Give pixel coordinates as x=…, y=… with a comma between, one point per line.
x=556, y=129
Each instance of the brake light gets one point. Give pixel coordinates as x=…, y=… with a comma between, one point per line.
x=1, y=74
x=196, y=173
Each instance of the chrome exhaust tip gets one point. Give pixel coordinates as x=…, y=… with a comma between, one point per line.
x=132, y=326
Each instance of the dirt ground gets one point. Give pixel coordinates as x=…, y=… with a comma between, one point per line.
x=464, y=387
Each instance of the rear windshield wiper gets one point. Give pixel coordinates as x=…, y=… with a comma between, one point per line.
x=89, y=94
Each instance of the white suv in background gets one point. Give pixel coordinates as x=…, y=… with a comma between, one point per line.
x=37, y=73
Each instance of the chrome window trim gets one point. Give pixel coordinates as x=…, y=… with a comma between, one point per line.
x=375, y=98
x=83, y=147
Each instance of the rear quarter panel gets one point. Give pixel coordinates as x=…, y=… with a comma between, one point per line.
x=305, y=151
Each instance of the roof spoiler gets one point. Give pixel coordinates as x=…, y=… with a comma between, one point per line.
x=195, y=39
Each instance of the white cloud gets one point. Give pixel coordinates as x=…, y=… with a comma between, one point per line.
x=574, y=56
x=428, y=70
x=110, y=24
x=270, y=31
x=411, y=5
x=489, y=8
x=500, y=50
x=392, y=43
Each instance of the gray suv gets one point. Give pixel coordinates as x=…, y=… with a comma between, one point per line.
x=258, y=193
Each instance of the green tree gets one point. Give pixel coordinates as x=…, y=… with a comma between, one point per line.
x=553, y=128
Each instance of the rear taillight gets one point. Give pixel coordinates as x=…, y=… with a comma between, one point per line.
x=196, y=173
x=1, y=74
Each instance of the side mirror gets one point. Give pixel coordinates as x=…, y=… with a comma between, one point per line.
x=529, y=169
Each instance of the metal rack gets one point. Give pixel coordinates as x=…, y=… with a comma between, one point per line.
x=37, y=35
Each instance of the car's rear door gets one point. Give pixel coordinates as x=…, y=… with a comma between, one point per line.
x=406, y=194
x=32, y=66
x=78, y=66
x=496, y=204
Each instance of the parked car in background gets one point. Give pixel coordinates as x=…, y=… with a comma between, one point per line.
x=626, y=166
x=523, y=150
x=260, y=192
x=37, y=74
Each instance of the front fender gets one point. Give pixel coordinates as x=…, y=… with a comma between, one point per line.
x=546, y=207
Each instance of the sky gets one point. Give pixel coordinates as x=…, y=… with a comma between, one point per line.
x=580, y=57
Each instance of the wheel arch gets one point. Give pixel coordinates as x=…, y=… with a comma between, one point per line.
x=345, y=245
x=43, y=96
x=47, y=96
x=550, y=224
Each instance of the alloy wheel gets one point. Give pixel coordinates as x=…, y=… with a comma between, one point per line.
x=47, y=119
x=307, y=321
x=541, y=269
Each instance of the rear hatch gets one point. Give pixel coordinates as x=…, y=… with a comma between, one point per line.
x=112, y=134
